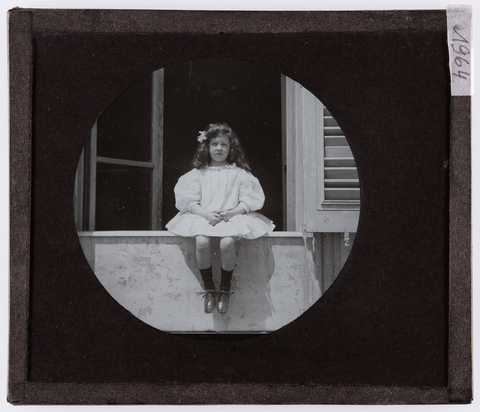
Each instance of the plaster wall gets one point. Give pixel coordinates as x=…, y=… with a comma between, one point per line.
x=154, y=275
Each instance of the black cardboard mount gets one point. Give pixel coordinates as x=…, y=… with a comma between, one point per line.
x=395, y=328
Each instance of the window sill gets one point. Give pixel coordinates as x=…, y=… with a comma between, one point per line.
x=164, y=233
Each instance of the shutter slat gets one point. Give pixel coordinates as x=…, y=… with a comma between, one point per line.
x=341, y=173
x=329, y=121
x=338, y=151
x=341, y=183
x=340, y=202
x=336, y=141
x=333, y=131
x=339, y=162
x=342, y=194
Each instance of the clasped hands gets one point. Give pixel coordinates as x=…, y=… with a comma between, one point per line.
x=217, y=217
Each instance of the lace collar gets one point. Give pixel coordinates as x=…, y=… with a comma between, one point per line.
x=227, y=166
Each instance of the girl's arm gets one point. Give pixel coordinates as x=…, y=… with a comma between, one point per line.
x=251, y=195
x=213, y=218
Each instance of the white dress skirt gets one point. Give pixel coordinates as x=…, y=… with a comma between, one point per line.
x=218, y=189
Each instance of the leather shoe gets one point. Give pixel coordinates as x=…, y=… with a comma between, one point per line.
x=223, y=301
x=210, y=301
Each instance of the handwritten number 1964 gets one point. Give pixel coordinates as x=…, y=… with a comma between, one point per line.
x=460, y=50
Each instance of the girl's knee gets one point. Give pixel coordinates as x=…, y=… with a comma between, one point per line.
x=227, y=244
x=202, y=243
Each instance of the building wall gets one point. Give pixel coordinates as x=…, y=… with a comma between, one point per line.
x=154, y=275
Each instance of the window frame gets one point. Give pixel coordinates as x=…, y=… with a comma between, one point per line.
x=85, y=179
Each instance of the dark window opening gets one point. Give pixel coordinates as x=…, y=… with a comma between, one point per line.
x=244, y=95
x=123, y=198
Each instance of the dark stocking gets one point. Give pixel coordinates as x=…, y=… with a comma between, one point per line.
x=226, y=280
x=207, y=278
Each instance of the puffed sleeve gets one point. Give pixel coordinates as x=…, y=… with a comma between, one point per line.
x=251, y=195
x=187, y=191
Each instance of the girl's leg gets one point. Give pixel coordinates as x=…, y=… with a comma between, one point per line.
x=204, y=260
x=227, y=250
x=203, y=252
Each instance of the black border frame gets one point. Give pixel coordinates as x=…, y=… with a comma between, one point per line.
x=24, y=24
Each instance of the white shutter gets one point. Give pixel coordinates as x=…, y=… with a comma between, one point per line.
x=322, y=181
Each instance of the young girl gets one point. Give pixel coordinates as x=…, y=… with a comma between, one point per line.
x=218, y=198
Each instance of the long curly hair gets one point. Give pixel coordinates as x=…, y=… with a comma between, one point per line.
x=236, y=155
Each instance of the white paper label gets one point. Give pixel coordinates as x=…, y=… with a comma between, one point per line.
x=460, y=48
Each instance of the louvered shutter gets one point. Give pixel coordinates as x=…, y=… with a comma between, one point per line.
x=341, y=189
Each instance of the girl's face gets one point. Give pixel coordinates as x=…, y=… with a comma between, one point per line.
x=219, y=148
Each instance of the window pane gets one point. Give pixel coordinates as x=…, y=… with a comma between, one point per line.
x=122, y=198
x=124, y=130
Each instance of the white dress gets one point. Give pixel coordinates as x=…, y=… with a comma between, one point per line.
x=218, y=189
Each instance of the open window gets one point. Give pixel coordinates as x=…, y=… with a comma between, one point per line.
x=144, y=142
x=118, y=184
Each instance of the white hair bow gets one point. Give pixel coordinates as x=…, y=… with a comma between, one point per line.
x=201, y=137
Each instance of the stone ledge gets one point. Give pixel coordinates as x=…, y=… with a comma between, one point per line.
x=154, y=275
x=164, y=233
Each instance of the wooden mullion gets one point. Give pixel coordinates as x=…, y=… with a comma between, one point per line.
x=79, y=192
x=157, y=149
x=290, y=152
x=124, y=162
x=283, y=91
x=92, y=186
x=300, y=158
